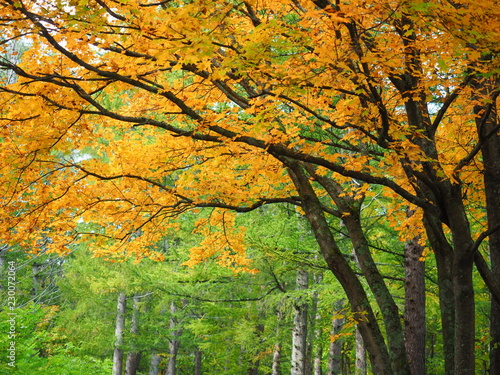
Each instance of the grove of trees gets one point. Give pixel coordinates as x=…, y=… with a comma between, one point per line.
x=266, y=186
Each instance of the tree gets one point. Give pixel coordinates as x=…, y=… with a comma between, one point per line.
x=119, y=332
x=124, y=115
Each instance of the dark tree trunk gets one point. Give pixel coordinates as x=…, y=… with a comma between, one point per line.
x=443, y=253
x=198, y=356
x=415, y=307
x=463, y=262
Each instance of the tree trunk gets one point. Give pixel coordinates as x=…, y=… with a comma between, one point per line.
x=299, y=331
x=276, y=366
x=154, y=364
x=119, y=331
x=360, y=366
x=463, y=262
x=37, y=269
x=133, y=357
x=198, y=356
x=315, y=346
x=317, y=369
x=174, y=343
x=415, y=307
x=335, y=350
x=3, y=251
x=443, y=253
x=464, y=316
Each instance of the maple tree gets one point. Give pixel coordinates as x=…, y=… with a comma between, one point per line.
x=124, y=114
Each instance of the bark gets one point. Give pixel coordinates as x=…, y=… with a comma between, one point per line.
x=198, y=357
x=335, y=350
x=415, y=307
x=119, y=331
x=133, y=357
x=299, y=331
x=443, y=253
x=463, y=287
x=363, y=313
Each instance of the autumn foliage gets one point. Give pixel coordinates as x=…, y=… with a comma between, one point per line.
x=121, y=115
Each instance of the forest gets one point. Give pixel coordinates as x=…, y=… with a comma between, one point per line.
x=304, y=187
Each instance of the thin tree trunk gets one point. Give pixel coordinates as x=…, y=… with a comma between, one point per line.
x=154, y=364
x=3, y=269
x=119, y=331
x=174, y=343
x=315, y=345
x=318, y=352
x=133, y=357
x=360, y=355
x=335, y=350
x=36, y=268
x=299, y=331
x=415, y=307
x=198, y=357
x=276, y=365
x=317, y=369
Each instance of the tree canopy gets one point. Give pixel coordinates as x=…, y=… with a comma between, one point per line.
x=122, y=115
